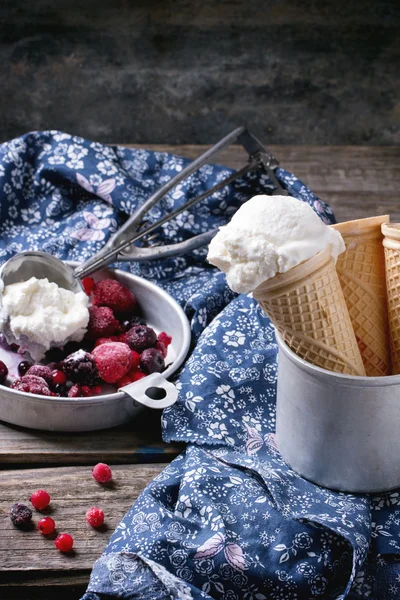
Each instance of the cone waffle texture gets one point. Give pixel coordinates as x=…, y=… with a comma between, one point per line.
x=361, y=270
x=308, y=308
x=392, y=265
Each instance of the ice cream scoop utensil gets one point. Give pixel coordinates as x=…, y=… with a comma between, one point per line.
x=121, y=246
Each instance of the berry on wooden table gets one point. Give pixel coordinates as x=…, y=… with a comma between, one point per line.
x=95, y=516
x=102, y=473
x=20, y=514
x=64, y=542
x=46, y=525
x=40, y=499
x=3, y=372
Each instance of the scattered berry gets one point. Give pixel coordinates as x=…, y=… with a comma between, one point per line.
x=58, y=377
x=3, y=372
x=88, y=285
x=40, y=499
x=41, y=371
x=20, y=515
x=152, y=361
x=95, y=516
x=31, y=385
x=80, y=367
x=102, y=473
x=113, y=294
x=64, y=542
x=46, y=525
x=113, y=361
x=23, y=367
x=102, y=322
x=164, y=338
x=141, y=337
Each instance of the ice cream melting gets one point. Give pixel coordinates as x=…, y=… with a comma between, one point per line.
x=38, y=315
x=269, y=235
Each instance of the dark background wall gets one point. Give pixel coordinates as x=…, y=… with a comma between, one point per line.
x=184, y=71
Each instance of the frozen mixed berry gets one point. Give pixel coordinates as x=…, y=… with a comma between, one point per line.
x=31, y=384
x=132, y=321
x=46, y=525
x=102, y=473
x=141, y=337
x=80, y=367
x=24, y=366
x=95, y=516
x=83, y=391
x=163, y=350
x=102, y=322
x=64, y=542
x=3, y=372
x=164, y=338
x=151, y=361
x=106, y=340
x=135, y=359
x=113, y=361
x=132, y=376
x=58, y=377
x=40, y=499
x=113, y=294
x=75, y=391
x=61, y=390
x=41, y=371
x=88, y=285
x=20, y=515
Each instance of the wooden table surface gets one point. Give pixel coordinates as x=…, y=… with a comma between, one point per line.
x=358, y=182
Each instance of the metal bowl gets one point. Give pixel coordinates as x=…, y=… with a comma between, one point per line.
x=339, y=431
x=162, y=313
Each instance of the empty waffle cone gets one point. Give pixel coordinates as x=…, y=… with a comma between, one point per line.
x=391, y=244
x=307, y=306
x=361, y=270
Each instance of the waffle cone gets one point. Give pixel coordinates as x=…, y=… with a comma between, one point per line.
x=307, y=306
x=361, y=270
x=391, y=244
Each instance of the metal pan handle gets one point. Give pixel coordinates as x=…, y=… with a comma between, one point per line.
x=153, y=391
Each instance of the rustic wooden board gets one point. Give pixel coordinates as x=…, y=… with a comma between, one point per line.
x=73, y=490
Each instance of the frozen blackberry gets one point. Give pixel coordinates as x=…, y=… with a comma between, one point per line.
x=152, y=361
x=80, y=367
x=141, y=337
x=20, y=515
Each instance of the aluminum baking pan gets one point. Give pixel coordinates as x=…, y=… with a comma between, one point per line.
x=339, y=431
x=160, y=311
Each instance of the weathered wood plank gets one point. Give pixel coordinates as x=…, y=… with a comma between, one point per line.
x=73, y=490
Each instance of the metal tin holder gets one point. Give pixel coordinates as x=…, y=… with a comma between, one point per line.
x=338, y=431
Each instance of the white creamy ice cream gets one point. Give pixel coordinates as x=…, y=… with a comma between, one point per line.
x=38, y=315
x=269, y=235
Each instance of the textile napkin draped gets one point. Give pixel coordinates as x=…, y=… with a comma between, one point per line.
x=227, y=519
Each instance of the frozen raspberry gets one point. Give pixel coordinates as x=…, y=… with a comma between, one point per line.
x=112, y=360
x=41, y=371
x=102, y=473
x=88, y=285
x=31, y=384
x=46, y=525
x=141, y=337
x=164, y=338
x=40, y=499
x=80, y=367
x=133, y=375
x=102, y=322
x=23, y=367
x=3, y=372
x=151, y=361
x=113, y=294
x=20, y=515
x=95, y=516
x=75, y=391
x=64, y=542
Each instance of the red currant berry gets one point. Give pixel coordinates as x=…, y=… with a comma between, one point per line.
x=58, y=377
x=46, y=525
x=64, y=542
x=102, y=473
x=95, y=516
x=40, y=499
x=88, y=285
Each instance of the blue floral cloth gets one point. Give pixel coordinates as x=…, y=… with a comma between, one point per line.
x=228, y=519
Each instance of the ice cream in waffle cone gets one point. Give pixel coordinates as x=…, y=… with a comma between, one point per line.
x=307, y=306
x=391, y=244
x=361, y=270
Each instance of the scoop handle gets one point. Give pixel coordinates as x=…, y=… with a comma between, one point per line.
x=153, y=391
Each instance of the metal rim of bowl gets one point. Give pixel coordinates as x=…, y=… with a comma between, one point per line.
x=343, y=379
x=119, y=395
